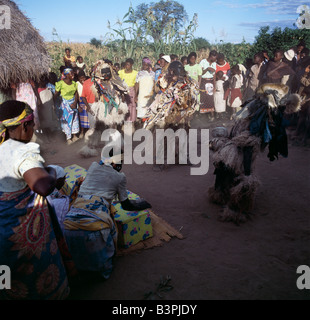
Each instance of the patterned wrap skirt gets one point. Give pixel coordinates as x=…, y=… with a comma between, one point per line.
x=33, y=247
x=91, y=235
x=84, y=121
x=70, y=123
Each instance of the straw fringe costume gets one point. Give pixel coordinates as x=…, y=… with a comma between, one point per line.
x=109, y=111
x=259, y=124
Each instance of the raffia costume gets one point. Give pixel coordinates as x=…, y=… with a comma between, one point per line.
x=109, y=111
x=259, y=124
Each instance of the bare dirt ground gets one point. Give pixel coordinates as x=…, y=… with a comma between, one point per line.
x=257, y=260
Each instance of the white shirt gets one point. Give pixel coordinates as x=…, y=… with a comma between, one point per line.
x=16, y=158
x=205, y=65
x=104, y=181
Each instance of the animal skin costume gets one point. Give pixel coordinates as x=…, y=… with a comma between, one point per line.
x=177, y=101
x=259, y=124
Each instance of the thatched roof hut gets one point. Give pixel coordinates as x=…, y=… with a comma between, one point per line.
x=23, y=54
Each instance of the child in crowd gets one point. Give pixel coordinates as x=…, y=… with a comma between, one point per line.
x=117, y=68
x=51, y=86
x=219, y=100
x=52, y=79
x=80, y=63
x=223, y=65
x=83, y=114
x=194, y=70
x=207, y=85
x=174, y=57
x=184, y=61
x=233, y=94
x=46, y=109
x=69, y=60
x=255, y=77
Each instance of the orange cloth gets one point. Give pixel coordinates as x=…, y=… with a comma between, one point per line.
x=87, y=92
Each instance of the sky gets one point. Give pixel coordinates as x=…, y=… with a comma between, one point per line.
x=230, y=21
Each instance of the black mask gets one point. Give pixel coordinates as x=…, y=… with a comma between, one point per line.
x=106, y=73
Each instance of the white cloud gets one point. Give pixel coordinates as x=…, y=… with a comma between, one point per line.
x=277, y=7
x=272, y=24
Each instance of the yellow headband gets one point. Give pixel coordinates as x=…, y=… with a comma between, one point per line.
x=26, y=115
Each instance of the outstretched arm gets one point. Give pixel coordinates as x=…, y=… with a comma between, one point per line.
x=130, y=205
x=135, y=205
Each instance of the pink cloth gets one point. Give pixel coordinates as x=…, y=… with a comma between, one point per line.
x=25, y=93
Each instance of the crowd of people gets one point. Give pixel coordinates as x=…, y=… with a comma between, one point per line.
x=46, y=235
x=64, y=100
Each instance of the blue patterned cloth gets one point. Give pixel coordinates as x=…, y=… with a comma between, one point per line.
x=30, y=248
x=69, y=119
x=51, y=87
x=91, y=250
x=84, y=115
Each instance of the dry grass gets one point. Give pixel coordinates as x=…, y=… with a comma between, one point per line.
x=91, y=54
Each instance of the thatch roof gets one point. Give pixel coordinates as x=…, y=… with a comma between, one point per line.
x=23, y=54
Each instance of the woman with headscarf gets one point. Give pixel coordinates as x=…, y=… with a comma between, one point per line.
x=67, y=88
x=32, y=245
x=144, y=88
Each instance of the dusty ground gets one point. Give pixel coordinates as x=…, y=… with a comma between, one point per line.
x=216, y=260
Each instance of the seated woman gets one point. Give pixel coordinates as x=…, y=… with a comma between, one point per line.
x=29, y=233
x=89, y=226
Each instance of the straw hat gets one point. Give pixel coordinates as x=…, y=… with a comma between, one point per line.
x=290, y=54
x=166, y=58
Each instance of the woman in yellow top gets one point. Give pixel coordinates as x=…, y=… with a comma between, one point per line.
x=129, y=76
x=67, y=88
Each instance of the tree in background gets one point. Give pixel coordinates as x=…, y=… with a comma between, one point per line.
x=202, y=43
x=139, y=34
x=277, y=38
x=156, y=17
x=95, y=42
